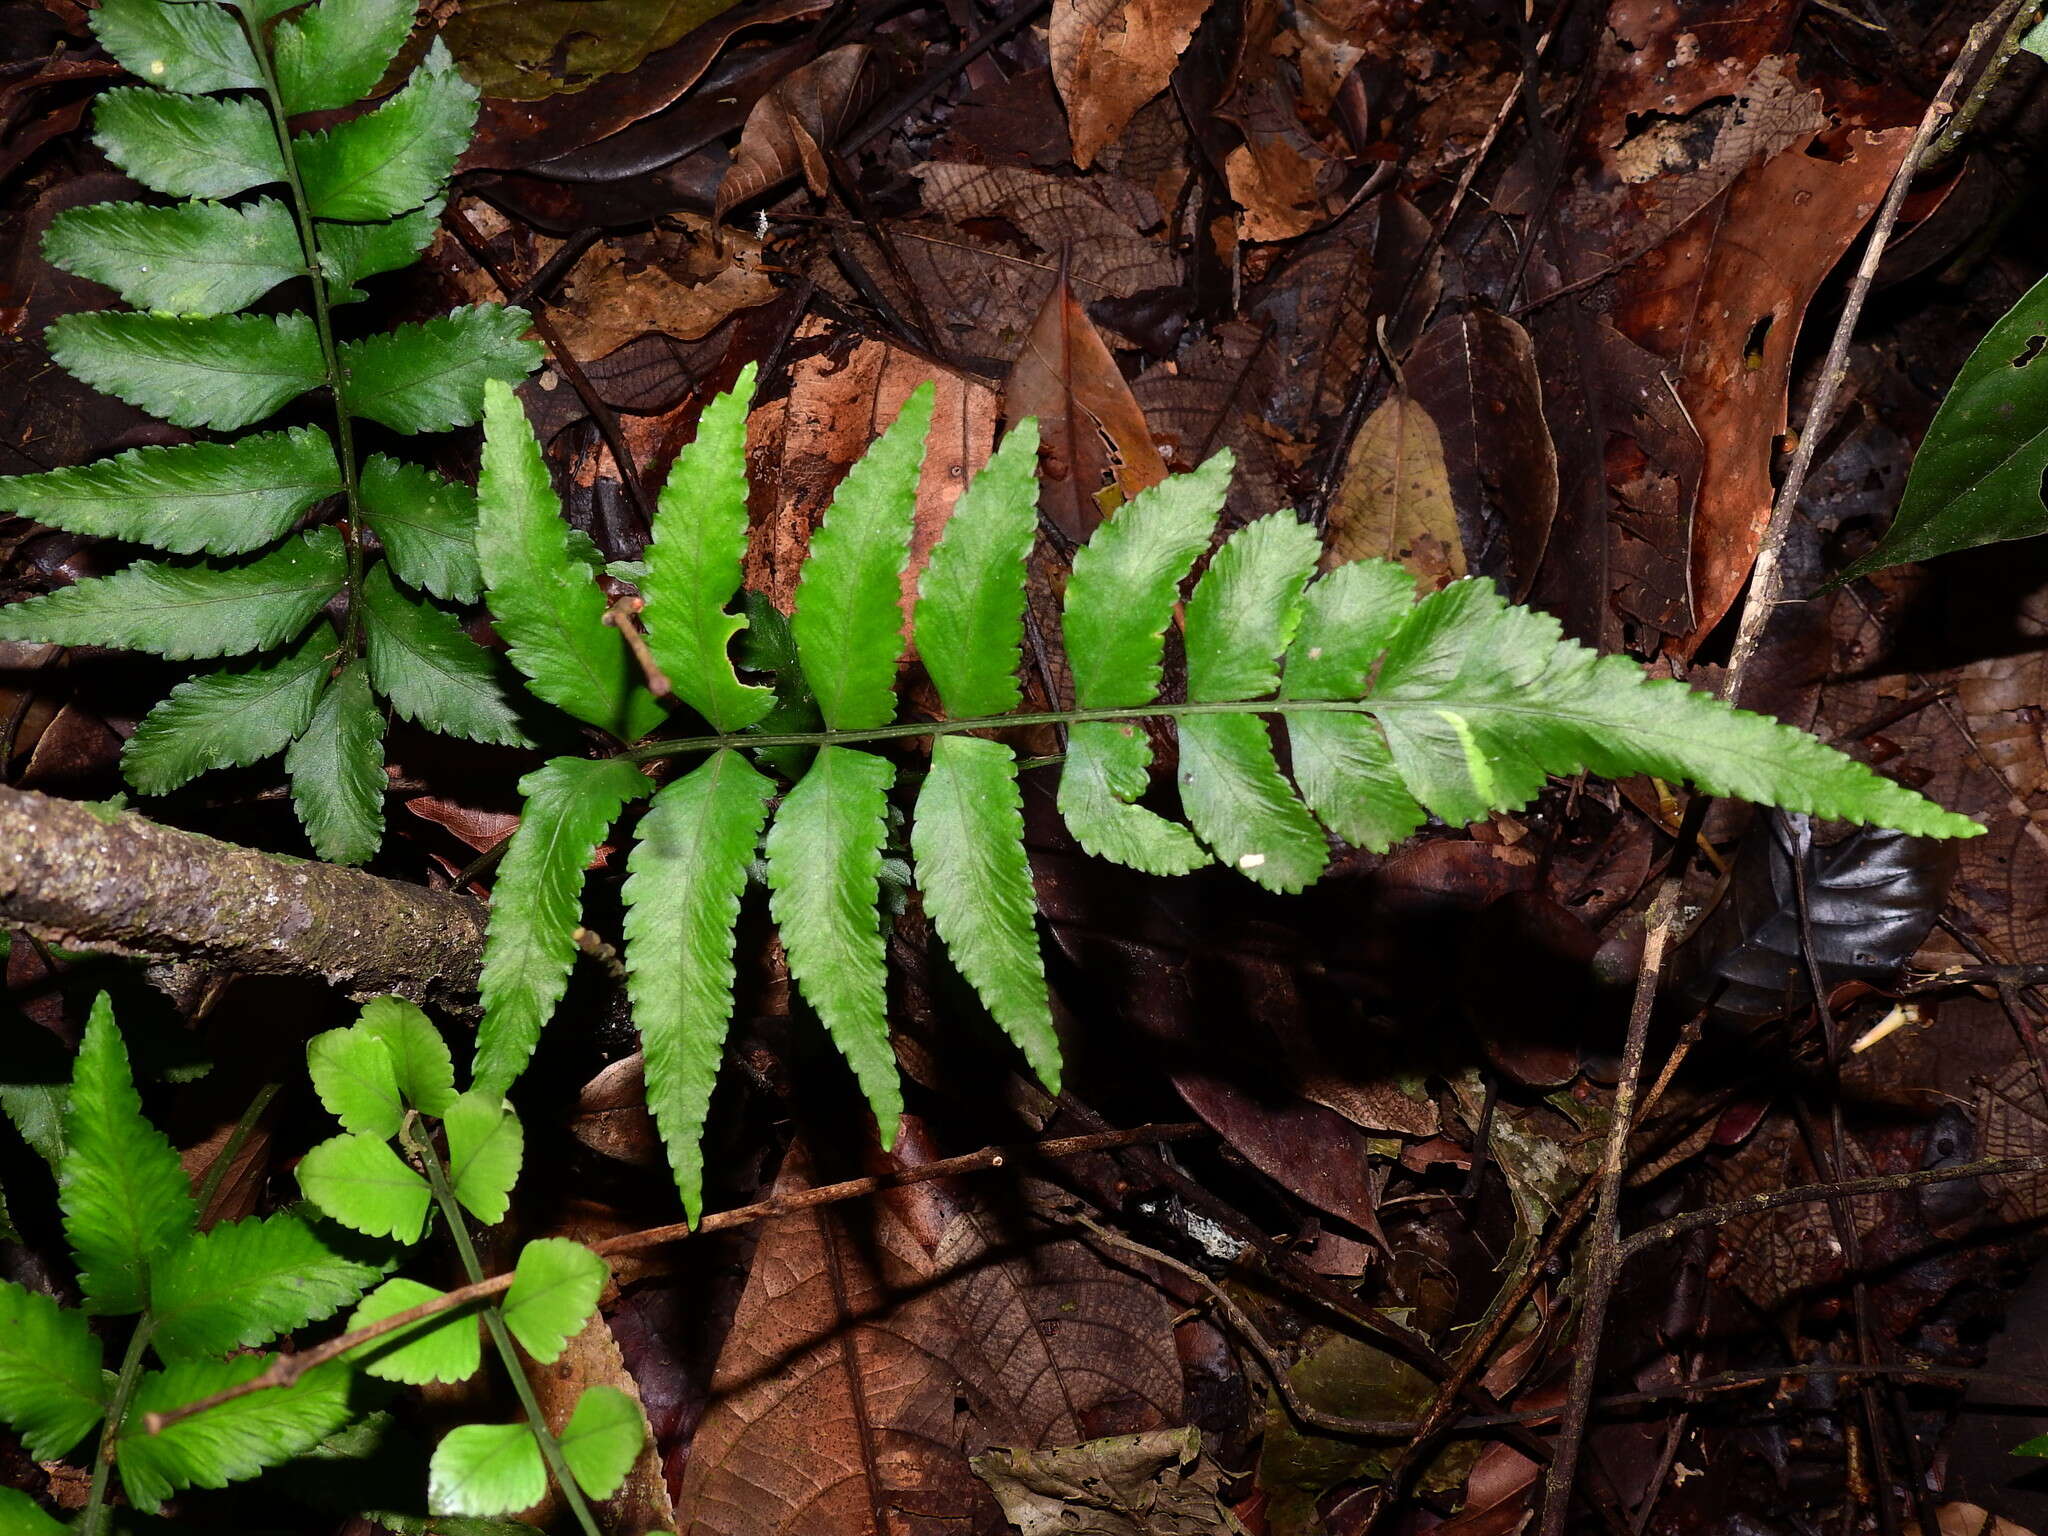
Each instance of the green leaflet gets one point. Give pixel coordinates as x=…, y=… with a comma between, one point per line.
x=485, y=1148
x=570, y=805
x=968, y=841
x=1347, y=777
x=1121, y=594
x=221, y=371
x=395, y=158
x=431, y=377
x=246, y=1282
x=1247, y=606
x=427, y=526
x=52, y=1390
x=602, y=1440
x=970, y=606
x=219, y=498
x=124, y=1197
x=554, y=1291
x=422, y=1069
x=1480, y=700
x=236, y=1440
x=545, y=599
x=360, y=1182
x=1244, y=612
x=351, y=252
x=444, y=1347
x=1104, y=772
x=849, y=631
x=183, y=146
x=356, y=1076
x=430, y=670
x=21, y=1515
x=187, y=611
x=1237, y=802
x=190, y=48
x=337, y=771
x=194, y=259
x=485, y=1469
x=1348, y=621
x=227, y=719
x=334, y=53
x=693, y=566
x=1977, y=477
x=688, y=871
x=824, y=873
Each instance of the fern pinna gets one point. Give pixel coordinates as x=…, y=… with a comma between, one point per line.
x=1395, y=709
x=212, y=122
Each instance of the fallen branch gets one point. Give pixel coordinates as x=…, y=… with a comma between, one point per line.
x=125, y=885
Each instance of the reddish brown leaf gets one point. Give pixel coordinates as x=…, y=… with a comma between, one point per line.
x=1724, y=300
x=1092, y=430
x=1110, y=57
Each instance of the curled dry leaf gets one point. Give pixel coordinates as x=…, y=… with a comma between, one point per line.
x=1475, y=375
x=682, y=283
x=1089, y=424
x=1279, y=176
x=791, y=129
x=1394, y=500
x=1110, y=57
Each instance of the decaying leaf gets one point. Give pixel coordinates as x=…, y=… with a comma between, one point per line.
x=526, y=49
x=1394, y=500
x=1154, y=1484
x=786, y=1447
x=1099, y=223
x=1110, y=57
x=790, y=130
x=1213, y=395
x=1090, y=427
x=1475, y=376
x=1339, y=1374
x=681, y=282
x=592, y=1358
x=1725, y=304
x=1279, y=176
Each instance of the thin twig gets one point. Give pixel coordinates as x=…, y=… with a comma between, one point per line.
x=1609, y=1252
x=287, y=1369
x=622, y=617
x=1767, y=579
x=2022, y=16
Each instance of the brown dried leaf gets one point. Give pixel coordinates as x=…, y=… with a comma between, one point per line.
x=1110, y=57
x=1098, y=222
x=1475, y=376
x=1394, y=500
x=1279, y=176
x=1211, y=397
x=593, y=1359
x=1325, y=306
x=1090, y=427
x=680, y=284
x=892, y=1327
x=1155, y=1484
x=791, y=128
x=1724, y=300
x=800, y=446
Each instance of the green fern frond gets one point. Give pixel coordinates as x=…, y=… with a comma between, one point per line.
x=1393, y=709
x=331, y=210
